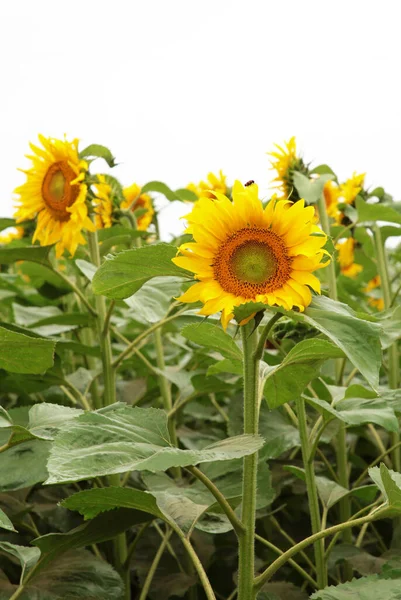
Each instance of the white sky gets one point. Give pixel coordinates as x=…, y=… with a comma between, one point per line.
x=177, y=88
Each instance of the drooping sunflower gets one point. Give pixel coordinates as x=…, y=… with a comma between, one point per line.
x=346, y=258
x=135, y=201
x=55, y=194
x=214, y=183
x=103, y=203
x=243, y=252
x=285, y=162
x=10, y=234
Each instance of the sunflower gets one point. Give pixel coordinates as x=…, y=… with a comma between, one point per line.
x=10, y=234
x=243, y=252
x=346, y=258
x=372, y=285
x=55, y=193
x=135, y=201
x=103, y=203
x=349, y=190
x=285, y=162
x=214, y=183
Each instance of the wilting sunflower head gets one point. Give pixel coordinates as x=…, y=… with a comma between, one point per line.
x=55, y=194
x=135, y=201
x=285, y=162
x=346, y=258
x=214, y=183
x=10, y=234
x=103, y=203
x=243, y=252
x=349, y=190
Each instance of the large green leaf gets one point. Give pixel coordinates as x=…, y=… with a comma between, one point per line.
x=77, y=574
x=122, y=275
x=157, y=186
x=213, y=337
x=5, y=223
x=22, y=354
x=370, y=213
x=389, y=483
x=366, y=588
x=287, y=381
x=356, y=411
x=357, y=338
x=310, y=189
x=38, y=254
x=130, y=439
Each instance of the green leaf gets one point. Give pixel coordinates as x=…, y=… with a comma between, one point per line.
x=287, y=381
x=181, y=194
x=366, y=588
x=5, y=522
x=5, y=223
x=122, y=275
x=38, y=254
x=346, y=331
x=88, y=269
x=98, y=151
x=151, y=303
x=22, y=354
x=27, y=557
x=90, y=503
x=213, y=337
x=243, y=311
x=310, y=189
x=226, y=366
x=130, y=439
x=322, y=170
x=23, y=465
x=329, y=491
x=356, y=411
x=389, y=483
x=368, y=213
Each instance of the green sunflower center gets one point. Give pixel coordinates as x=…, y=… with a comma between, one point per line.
x=253, y=262
x=56, y=186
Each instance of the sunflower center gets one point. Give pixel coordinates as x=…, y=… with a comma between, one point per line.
x=252, y=261
x=57, y=191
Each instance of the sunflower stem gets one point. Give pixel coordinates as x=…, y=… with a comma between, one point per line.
x=312, y=493
x=264, y=335
x=246, y=571
x=393, y=359
x=341, y=440
x=109, y=395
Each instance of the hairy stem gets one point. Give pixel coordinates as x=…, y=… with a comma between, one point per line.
x=251, y=416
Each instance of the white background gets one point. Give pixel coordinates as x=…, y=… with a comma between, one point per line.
x=177, y=88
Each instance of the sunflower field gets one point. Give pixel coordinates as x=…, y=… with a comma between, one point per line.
x=212, y=418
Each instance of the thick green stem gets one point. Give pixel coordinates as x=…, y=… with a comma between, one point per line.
x=393, y=359
x=312, y=494
x=251, y=416
x=341, y=440
x=109, y=396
